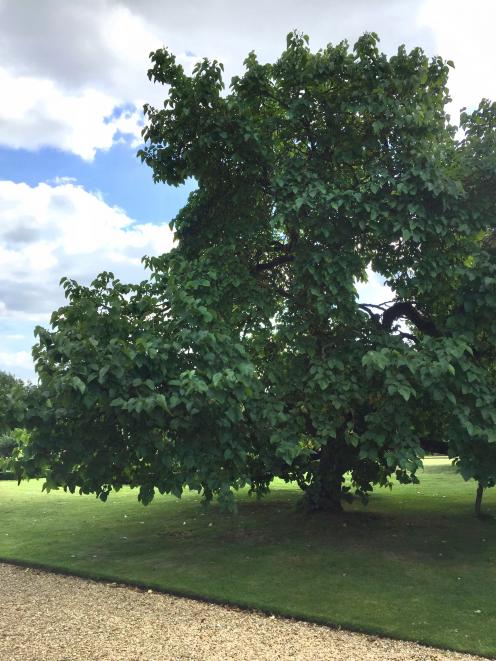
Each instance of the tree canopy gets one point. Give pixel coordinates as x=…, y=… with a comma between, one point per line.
x=247, y=354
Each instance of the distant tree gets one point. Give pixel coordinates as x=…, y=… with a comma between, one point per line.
x=12, y=444
x=12, y=401
x=473, y=456
x=247, y=355
x=14, y=395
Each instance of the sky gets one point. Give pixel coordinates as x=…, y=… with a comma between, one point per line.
x=74, y=199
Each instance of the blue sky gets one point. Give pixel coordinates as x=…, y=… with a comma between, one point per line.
x=74, y=199
x=115, y=173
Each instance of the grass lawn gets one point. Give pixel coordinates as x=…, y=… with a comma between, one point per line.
x=414, y=564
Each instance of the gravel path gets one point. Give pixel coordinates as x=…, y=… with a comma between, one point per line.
x=48, y=616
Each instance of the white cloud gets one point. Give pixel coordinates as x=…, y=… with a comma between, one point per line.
x=18, y=361
x=86, y=59
x=39, y=113
x=100, y=44
x=50, y=231
x=465, y=34
x=78, y=82
x=108, y=41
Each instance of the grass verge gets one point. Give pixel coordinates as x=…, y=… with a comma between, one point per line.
x=414, y=564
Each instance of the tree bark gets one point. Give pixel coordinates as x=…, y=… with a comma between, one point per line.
x=325, y=491
x=478, y=499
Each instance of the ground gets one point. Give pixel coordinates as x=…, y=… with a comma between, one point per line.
x=45, y=617
x=414, y=564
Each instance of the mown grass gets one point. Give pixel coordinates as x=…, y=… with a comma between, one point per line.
x=414, y=564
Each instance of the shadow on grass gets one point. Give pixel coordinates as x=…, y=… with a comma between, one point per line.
x=414, y=564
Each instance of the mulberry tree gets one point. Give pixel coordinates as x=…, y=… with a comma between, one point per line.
x=248, y=353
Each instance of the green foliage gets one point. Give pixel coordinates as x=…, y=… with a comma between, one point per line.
x=8, y=443
x=12, y=444
x=13, y=401
x=247, y=355
x=149, y=388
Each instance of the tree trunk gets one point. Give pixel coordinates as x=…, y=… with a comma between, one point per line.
x=325, y=491
x=478, y=499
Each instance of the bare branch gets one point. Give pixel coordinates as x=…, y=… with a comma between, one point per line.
x=373, y=315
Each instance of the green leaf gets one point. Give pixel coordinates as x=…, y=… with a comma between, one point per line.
x=102, y=372
x=77, y=384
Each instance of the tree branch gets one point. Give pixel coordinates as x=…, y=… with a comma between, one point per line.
x=278, y=261
x=386, y=317
x=407, y=336
x=373, y=315
x=406, y=310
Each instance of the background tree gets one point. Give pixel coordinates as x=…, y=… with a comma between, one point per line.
x=14, y=396
x=247, y=354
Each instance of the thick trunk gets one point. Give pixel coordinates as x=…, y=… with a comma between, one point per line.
x=478, y=499
x=326, y=496
x=326, y=489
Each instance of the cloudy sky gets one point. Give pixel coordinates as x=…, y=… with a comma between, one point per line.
x=74, y=200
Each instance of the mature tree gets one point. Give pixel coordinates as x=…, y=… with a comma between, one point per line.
x=248, y=354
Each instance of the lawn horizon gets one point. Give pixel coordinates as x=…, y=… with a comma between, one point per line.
x=415, y=564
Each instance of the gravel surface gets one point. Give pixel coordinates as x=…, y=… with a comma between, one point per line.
x=48, y=616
